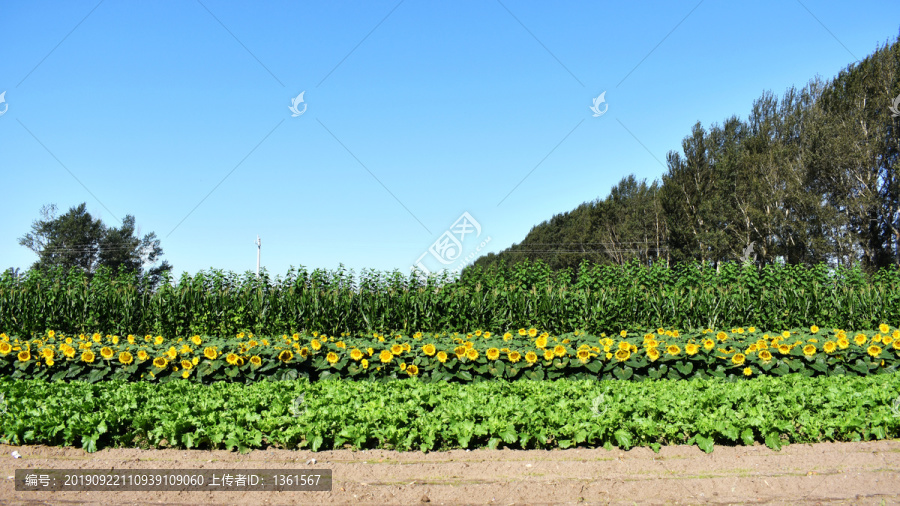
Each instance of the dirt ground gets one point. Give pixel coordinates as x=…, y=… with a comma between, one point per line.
x=827, y=473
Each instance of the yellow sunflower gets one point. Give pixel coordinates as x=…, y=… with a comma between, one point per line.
x=356, y=355
x=385, y=356
x=412, y=370
x=531, y=357
x=765, y=356
x=5, y=347
x=285, y=355
x=673, y=350
x=210, y=353
x=809, y=350
x=548, y=355
x=88, y=356
x=160, y=362
x=691, y=349
x=559, y=351
x=442, y=356
x=472, y=354
x=429, y=350
x=738, y=359
x=622, y=355
x=332, y=357
x=653, y=354
x=142, y=355
x=493, y=353
x=874, y=351
x=126, y=358
x=25, y=356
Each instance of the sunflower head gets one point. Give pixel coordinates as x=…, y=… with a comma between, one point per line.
x=653, y=354
x=332, y=357
x=429, y=349
x=210, y=353
x=691, y=349
x=88, y=356
x=385, y=356
x=493, y=353
x=160, y=362
x=738, y=359
x=874, y=351
x=531, y=357
x=442, y=356
x=126, y=358
x=285, y=355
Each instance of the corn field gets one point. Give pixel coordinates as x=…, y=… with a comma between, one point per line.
x=594, y=299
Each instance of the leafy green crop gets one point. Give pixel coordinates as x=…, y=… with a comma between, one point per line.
x=411, y=415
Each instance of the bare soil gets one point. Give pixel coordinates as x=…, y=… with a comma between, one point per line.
x=826, y=473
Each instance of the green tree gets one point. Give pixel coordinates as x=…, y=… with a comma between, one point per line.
x=76, y=239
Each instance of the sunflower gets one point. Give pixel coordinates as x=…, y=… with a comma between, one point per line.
x=396, y=349
x=541, y=342
x=210, y=353
x=843, y=343
x=158, y=340
x=356, y=355
x=583, y=355
x=47, y=353
x=285, y=355
x=429, y=350
x=622, y=355
x=829, y=346
x=232, y=359
x=5, y=347
x=738, y=359
x=748, y=371
x=126, y=358
x=721, y=336
x=160, y=362
x=460, y=351
x=97, y=337
x=88, y=356
x=304, y=352
x=522, y=332
x=412, y=370
x=653, y=343
x=673, y=350
x=884, y=328
x=691, y=349
x=784, y=349
x=332, y=357
x=709, y=344
x=548, y=355
x=751, y=330
x=874, y=351
x=107, y=353
x=814, y=329
x=653, y=354
x=860, y=339
x=365, y=363
x=531, y=357
x=809, y=350
x=559, y=351
x=385, y=356
x=472, y=354
x=25, y=356
x=532, y=332
x=493, y=353
x=765, y=356
x=142, y=355
x=442, y=356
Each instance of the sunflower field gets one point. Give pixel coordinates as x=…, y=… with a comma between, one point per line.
x=516, y=356
x=471, y=357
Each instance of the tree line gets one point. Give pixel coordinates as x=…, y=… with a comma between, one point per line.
x=808, y=177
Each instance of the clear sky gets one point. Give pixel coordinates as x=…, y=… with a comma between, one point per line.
x=413, y=113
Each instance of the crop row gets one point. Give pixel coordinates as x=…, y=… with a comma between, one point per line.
x=476, y=356
x=411, y=415
x=598, y=299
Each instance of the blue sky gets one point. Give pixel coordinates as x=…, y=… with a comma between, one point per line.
x=177, y=112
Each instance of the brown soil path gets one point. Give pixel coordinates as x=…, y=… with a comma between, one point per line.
x=826, y=473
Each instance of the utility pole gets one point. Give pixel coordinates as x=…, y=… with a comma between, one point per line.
x=258, y=250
